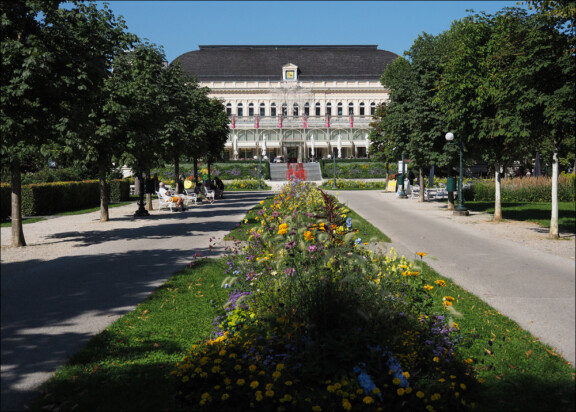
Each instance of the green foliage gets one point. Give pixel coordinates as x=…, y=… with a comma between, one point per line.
x=119, y=190
x=5, y=201
x=532, y=189
x=355, y=170
x=241, y=185
x=345, y=184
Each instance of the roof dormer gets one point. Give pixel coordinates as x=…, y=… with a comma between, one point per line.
x=290, y=72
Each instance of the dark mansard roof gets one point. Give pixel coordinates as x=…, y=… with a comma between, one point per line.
x=320, y=63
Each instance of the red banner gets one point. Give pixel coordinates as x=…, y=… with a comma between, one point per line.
x=305, y=121
x=280, y=122
x=233, y=120
x=351, y=121
x=328, y=121
x=257, y=122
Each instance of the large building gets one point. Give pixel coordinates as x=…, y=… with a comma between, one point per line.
x=298, y=102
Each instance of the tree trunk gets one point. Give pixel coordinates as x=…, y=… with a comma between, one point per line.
x=497, y=197
x=209, y=176
x=177, y=184
x=554, y=216
x=148, y=195
x=104, y=216
x=16, y=183
x=196, y=170
x=421, y=183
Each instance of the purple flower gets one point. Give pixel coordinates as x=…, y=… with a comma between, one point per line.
x=290, y=245
x=312, y=248
x=290, y=271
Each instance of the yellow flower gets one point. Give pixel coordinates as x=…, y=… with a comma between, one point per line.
x=420, y=394
x=368, y=400
x=240, y=382
x=316, y=408
x=428, y=287
x=440, y=282
x=400, y=391
x=435, y=397
x=252, y=368
x=225, y=396
x=396, y=381
x=185, y=378
x=261, y=202
x=283, y=229
x=421, y=254
x=346, y=404
x=436, y=359
x=406, y=375
x=276, y=375
x=269, y=393
x=308, y=236
x=259, y=396
x=254, y=384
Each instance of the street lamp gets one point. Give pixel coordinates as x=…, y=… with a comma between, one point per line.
x=334, y=180
x=459, y=210
x=259, y=167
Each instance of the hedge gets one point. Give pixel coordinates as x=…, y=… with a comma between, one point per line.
x=42, y=199
x=527, y=189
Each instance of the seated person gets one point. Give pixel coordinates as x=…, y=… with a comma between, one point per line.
x=166, y=195
x=219, y=187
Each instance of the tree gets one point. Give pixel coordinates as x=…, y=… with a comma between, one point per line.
x=97, y=39
x=136, y=108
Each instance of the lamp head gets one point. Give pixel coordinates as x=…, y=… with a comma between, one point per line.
x=449, y=136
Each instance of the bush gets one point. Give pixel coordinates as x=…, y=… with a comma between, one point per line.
x=5, y=201
x=240, y=185
x=354, y=169
x=528, y=189
x=119, y=190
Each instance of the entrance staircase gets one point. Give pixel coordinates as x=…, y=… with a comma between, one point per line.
x=288, y=171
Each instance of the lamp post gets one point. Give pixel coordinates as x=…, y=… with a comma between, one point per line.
x=259, y=167
x=334, y=180
x=402, y=194
x=459, y=210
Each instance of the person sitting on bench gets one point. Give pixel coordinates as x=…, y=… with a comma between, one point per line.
x=167, y=195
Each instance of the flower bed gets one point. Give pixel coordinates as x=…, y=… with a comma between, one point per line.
x=316, y=321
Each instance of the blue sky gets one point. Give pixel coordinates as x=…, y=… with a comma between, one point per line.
x=181, y=26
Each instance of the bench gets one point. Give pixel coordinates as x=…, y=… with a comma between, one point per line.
x=166, y=203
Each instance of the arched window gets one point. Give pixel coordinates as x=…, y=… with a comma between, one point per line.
x=240, y=110
x=340, y=109
x=350, y=108
x=362, y=109
x=284, y=109
x=251, y=109
x=372, y=108
x=262, y=109
x=229, y=109
x=273, y=109
x=307, y=109
x=295, y=109
x=329, y=108
x=317, y=109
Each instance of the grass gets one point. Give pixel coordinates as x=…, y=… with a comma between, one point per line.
x=532, y=212
x=128, y=365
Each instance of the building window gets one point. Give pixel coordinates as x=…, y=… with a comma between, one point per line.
x=229, y=109
x=284, y=109
x=251, y=109
x=262, y=109
x=317, y=109
x=329, y=109
x=339, y=109
x=350, y=108
x=361, y=109
x=307, y=109
x=273, y=109
x=240, y=110
x=295, y=109
x=372, y=108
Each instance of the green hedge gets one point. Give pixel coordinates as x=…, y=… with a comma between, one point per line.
x=355, y=169
x=527, y=189
x=42, y=199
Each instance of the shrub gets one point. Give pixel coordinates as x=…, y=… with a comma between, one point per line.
x=355, y=169
x=530, y=189
x=240, y=185
x=5, y=201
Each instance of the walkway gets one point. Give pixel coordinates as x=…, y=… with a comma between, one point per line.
x=532, y=287
x=78, y=275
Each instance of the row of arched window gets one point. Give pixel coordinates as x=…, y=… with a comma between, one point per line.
x=296, y=110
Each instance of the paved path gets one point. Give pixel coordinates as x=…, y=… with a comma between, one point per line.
x=50, y=307
x=534, y=288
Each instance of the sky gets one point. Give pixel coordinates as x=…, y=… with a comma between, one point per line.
x=181, y=26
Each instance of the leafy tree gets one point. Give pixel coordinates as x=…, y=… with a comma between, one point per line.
x=136, y=108
x=97, y=38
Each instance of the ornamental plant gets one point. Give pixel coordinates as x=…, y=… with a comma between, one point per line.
x=317, y=321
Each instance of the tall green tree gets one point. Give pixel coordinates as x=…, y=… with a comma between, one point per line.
x=97, y=38
x=136, y=108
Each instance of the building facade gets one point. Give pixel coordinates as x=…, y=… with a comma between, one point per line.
x=295, y=103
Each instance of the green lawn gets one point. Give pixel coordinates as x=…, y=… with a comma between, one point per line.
x=532, y=212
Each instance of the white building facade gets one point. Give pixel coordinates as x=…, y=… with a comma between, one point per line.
x=297, y=103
